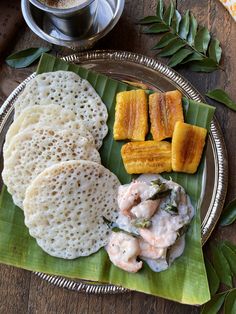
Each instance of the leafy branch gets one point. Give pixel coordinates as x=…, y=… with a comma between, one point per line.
x=184, y=41
x=221, y=270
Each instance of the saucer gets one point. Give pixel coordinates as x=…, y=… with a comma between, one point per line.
x=108, y=14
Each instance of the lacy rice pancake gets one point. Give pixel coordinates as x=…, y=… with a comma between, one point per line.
x=47, y=115
x=67, y=90
x=33, y=150
x=65, y=207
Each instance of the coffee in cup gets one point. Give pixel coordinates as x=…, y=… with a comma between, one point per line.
x=62, y=4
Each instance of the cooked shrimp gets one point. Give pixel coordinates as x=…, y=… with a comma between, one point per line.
x=149, y=251
x=183, y=199
x=133, y=194
x=146, y=209
x=164, y=229
x=185, y=207
x=162, y=240
x=123, y=250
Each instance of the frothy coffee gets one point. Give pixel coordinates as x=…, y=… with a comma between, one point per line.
x=62, y=4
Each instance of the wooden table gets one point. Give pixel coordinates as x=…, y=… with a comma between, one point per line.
x=23, y=292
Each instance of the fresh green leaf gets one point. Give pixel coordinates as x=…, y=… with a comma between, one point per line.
x=215, y=50
x=205, y=65
x=149, y=20
x=221, y=266
x=230, y=302
x=205, y=52
x=159, y=194
x=222, y=97
x=164, y=41
x=115, y=228
x=141, y=223
x=231, y=245
x=157, y=183
x=212, y=276
x=230, y=256
x=215, y=304
x=160, y=9
x=193, y=57
x=24, y=58
x=192, y=29
x=183, y=230
x=179, y=57
x=156, y=29
x=171, y=209
x=202, y=39
x=169, y=13
x=176, y=21
x=229, y=214
x=172, y=48
x=184, y=26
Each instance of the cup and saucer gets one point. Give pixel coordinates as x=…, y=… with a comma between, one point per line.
x=77, y=27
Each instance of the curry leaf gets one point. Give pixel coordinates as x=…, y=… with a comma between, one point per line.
x=222, y=97
x=184, y=33
x=149, y=20
x=215, y=50
x=179, y=57
x=229, y=214
x=192, y=29
x=204, y=65
x=212, y=276
x=156, y=29
x=141, y=223
x=176, y=21
x=165, y=40
x=172, y=48
x=230, y=256
x=169, y=13
x=24, y=58
x=184, y=26
x=202, y=40
x=230, y=302
x=231, y=245
x=193, y=57
x=215, y=304
x=160, y=9
x=221, y=265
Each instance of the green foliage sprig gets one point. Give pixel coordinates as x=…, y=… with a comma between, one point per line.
x=185, y=42
x=229, y=215
x=222, y=97
x=24, y=58
x=221, y=270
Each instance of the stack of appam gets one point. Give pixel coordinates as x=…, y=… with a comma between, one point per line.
x=52, y=166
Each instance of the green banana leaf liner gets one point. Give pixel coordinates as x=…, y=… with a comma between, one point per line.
x=185, y=281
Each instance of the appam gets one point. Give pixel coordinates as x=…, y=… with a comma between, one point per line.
x=47, y=115
x=65, y=207
x=36, y=148
x=70, y=91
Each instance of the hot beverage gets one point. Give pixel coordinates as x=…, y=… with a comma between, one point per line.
x=62, y=4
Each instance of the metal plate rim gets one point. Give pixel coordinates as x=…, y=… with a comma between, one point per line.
x=216, y=138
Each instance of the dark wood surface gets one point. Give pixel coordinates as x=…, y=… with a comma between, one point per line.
x=23, y=292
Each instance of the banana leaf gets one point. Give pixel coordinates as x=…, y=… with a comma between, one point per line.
x=185, y=281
